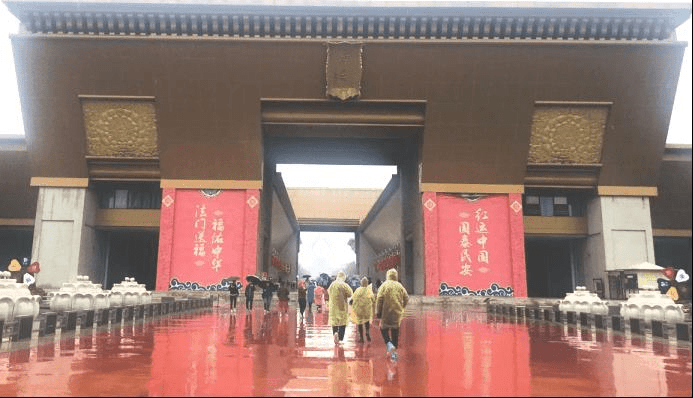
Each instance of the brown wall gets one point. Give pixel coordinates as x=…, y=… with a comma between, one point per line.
x=479, y=95
x=671, y=209
x=17, y=198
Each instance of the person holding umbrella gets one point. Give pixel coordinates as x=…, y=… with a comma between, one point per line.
x=249, y=295
x=302, y=293
x=310, y=295
x=267, y=291
x=250, y=291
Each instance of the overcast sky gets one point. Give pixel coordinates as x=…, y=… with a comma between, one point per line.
x=325, y=252
x=11, y=119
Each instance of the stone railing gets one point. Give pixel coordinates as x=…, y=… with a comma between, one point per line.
x=652, y=305
x=582, y=300
x=79, y=295
x=129, y=292
x=46, y=323
x=635, y=324
x=16, y=299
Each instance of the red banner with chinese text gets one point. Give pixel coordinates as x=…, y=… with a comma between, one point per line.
x=473, y=245
x=205, y=241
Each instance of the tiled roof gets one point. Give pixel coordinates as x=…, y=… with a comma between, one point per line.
x=353, y=20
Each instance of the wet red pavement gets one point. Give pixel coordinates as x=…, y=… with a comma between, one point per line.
x=459, y=352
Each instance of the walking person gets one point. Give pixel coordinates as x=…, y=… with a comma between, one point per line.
x=390, y=303
x=233, y=295
x=310, y=295
x=362, y=307
x=374, y=290
x=267, y=296
x=319, y=297
x=302, y=296
x=249, y=295
x=283, y=296
x=339, y=293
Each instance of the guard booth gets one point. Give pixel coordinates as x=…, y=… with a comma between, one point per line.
x=627, y=281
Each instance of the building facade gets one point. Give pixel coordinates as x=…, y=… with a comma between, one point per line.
x=529, y=142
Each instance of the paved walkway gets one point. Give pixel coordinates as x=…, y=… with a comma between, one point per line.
x=444, y=350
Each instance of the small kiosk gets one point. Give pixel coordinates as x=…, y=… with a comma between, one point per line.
x=626, y=281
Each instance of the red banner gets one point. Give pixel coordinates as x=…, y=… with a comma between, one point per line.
x=385, y=264
x=473, y=245
x=203, y=239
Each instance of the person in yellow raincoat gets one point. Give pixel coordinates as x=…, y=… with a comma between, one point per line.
x=15, y=269
x=339, y=293
x=362, y=308
x=390, y=303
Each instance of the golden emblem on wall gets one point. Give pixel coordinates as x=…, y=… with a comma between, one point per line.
x=343, y=70
x=567, y=134
x=120, y=128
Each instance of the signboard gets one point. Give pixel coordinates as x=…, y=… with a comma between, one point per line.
x=343, y=70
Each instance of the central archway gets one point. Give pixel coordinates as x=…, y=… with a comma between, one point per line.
x=360, y=133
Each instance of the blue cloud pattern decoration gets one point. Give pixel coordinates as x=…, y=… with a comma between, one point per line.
x=494, y=290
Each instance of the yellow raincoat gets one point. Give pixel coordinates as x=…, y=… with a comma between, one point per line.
x=14, y=266
x=339, y=292
x=362, y=306
x=391, y=300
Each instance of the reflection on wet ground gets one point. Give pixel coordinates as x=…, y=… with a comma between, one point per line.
x=443, y=351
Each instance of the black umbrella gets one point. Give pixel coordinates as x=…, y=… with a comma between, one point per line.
x=306, y=276
x=265, y=283
x=663, y=285
x=253, y=279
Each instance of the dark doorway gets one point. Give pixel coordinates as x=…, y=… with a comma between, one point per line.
x=132, y=254
x=15, y=243
x=673, y=252
x=549, y=270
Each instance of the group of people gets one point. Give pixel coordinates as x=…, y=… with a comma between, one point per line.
x=26, y=273
x=267, y=292
x=385, y=302
x=387, y=306
x=310, y=293
x=675, y=285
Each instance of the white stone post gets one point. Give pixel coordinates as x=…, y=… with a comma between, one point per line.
x=64, y=235
x=619, y=232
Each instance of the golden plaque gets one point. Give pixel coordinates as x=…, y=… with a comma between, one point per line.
x=120, y=128
x=343, y=70
x=567, y=134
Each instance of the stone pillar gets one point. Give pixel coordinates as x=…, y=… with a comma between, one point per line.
x=619, y=232
x=64, y=235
